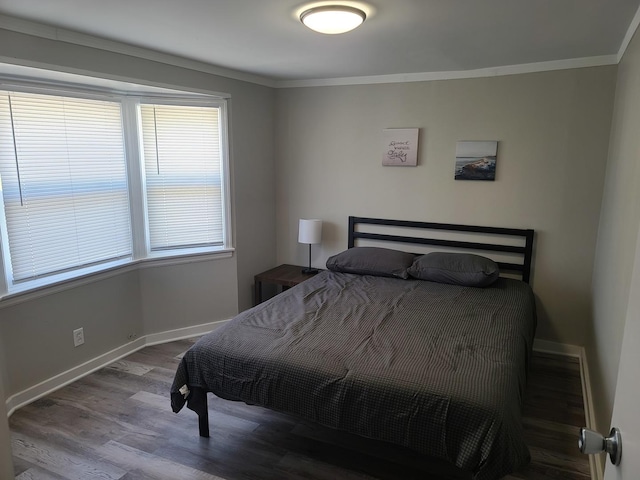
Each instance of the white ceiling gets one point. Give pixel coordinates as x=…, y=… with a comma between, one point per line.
x=265, y=38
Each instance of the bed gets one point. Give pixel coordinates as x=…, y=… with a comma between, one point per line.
x=428, y=360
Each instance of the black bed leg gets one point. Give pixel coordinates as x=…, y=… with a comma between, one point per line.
x=203, y=423
x=197, y=401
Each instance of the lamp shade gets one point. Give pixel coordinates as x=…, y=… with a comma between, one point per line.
x=309, y=231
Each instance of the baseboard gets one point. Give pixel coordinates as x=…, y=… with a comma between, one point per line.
x=41, y=389
x=596, y=462
x=547, y=346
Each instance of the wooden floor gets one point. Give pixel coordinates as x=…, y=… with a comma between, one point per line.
x=117, y=424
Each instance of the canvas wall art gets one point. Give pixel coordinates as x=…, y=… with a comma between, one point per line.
x=400, y=147
x=476, y=160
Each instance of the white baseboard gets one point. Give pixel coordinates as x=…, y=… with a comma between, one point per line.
x=547, y=346
x=596, y=462
x=44, y=388
x=41, y=389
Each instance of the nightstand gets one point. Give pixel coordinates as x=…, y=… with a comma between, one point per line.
x=285, y=276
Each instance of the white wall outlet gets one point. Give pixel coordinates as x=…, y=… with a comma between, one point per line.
x=78, y=337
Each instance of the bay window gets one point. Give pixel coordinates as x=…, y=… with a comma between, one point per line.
x=68, y=189
x=182, y=164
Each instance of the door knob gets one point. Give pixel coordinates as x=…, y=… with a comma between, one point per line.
x=591, y=442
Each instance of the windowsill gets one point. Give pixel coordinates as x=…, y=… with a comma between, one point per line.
x=112, y=269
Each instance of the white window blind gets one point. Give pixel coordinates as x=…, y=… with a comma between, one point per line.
x=64, y=183
x=182, y=161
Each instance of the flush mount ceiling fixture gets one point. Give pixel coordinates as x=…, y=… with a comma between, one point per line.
x=332, y=19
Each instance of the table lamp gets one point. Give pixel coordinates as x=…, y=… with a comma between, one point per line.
x=309, y=231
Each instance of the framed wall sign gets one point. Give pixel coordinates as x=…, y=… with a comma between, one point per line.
x=400, y=147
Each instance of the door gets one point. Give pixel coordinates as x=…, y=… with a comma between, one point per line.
x=626, y=408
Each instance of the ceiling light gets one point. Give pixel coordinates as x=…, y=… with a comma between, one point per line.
x=332, y=19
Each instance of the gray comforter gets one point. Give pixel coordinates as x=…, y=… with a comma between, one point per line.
x=437, y=368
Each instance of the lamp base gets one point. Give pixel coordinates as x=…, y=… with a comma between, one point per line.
x=310, y=271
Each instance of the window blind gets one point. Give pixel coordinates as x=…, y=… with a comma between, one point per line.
x=182, y=162
x=64, y=183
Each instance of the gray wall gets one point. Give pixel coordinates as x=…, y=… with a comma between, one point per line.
x=553, y=130
x=37, y=337
x=6, y=463
x=617, y=236
x=36, y=334
x=188, y=294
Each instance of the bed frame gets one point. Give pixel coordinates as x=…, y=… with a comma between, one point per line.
x=505, y=234
x=198, y=401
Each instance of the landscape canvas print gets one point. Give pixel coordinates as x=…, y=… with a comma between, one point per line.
x=476, y=160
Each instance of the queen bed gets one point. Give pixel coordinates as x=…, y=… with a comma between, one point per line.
x=425, y=351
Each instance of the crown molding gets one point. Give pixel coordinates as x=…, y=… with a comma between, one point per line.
x=69, y=36
x=633, y=26
x=454, y=75
x=59, y=34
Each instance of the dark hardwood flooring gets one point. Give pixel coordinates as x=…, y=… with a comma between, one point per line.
x=117, y=424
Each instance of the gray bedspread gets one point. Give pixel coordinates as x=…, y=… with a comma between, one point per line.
x=437, y=368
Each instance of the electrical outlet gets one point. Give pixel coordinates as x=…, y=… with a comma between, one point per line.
x=131, y=337
x=78, y=337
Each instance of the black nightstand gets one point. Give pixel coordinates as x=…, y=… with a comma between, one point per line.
x=285, y=276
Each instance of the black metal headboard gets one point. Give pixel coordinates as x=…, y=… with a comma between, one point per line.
x=526, y=251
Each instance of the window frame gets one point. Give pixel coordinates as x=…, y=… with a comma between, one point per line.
x=129, y=97
x=224, y=174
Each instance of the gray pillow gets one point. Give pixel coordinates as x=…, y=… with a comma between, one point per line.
x=382, y=262
x=455, y=268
